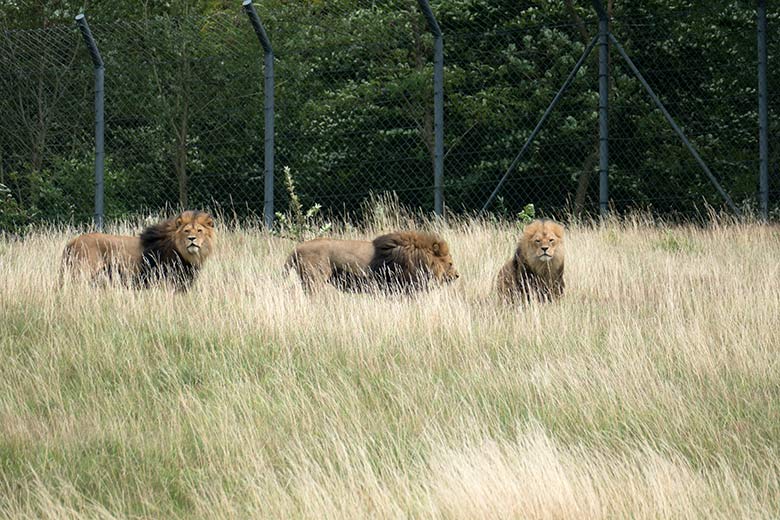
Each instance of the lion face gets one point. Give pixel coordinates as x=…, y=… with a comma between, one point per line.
x=442, y=266
x=194, y=236
x=542, y=241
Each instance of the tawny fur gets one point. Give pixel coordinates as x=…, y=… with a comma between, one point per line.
x=172, y=251
x=404, y=261
x=535, y=271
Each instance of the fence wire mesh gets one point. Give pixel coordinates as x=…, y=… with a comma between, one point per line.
x=354, y=109
x=702, y=62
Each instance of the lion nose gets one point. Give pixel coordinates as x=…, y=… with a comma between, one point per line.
x=191, y=238
x=545, y=248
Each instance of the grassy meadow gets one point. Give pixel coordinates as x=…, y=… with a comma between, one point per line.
x=652, y=390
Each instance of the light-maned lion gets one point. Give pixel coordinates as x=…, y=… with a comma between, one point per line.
x=172, y=251
x=404, y=261
x=535, y=271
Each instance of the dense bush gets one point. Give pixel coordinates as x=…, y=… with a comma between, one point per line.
x=354, y=115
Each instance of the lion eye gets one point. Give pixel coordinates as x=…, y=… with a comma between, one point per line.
x=538, y=241
x=200, y=231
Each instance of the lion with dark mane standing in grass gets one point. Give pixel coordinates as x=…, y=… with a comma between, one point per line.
x=405, y=261
x=172, y=251
x=535, y=271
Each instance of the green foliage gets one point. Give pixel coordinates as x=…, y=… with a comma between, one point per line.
x=674, y=242
x=499, y=206
x=64, y=191
x=299, y=224
x=526, y=215
x=610, y=236
x=354, y=104
x=13, y=217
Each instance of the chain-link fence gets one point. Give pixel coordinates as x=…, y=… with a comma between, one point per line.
x=354, y=108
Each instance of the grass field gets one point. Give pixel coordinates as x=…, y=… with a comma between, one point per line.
x=652, y=390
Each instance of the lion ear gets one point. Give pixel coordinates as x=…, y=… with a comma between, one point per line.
x=209, y=222
x=436, y=248
x=179, y=222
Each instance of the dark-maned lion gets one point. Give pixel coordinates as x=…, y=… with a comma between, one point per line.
x=535, y=271
x=172, y=251
x=404, y=261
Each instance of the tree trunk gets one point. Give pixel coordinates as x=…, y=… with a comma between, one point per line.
x=584, y=181
x=181, y=174
x=180, y=161
x=427, y=117
x=182, y=130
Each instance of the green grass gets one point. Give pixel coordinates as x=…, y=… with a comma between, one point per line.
x=652, y=390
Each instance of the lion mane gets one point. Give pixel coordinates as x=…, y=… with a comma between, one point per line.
x=404, y=261
x=172, y=251
x=535, y=271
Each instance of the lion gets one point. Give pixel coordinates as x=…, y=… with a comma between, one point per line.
x=404, y=261
x=535, y=271
x=171, y=251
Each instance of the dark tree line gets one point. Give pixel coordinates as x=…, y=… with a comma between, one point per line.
x=354, y=110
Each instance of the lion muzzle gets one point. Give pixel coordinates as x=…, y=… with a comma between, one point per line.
x=192, y=247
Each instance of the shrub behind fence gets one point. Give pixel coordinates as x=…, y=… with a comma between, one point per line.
x=354, y=110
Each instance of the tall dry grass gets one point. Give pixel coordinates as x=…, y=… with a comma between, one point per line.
x=652, y=390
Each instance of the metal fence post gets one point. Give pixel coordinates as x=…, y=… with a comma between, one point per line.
x=763, y=127
x=268, y=111
x=438, y=107
x=603, y=108
x=97, y=60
